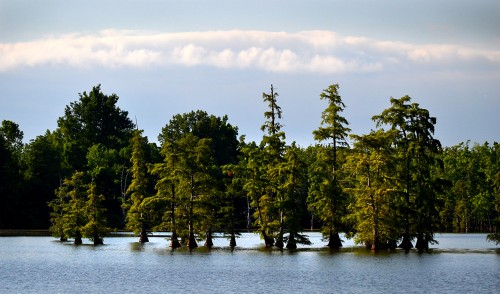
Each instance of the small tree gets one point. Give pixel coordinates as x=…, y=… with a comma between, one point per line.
x=95, y=228
x=73, y=212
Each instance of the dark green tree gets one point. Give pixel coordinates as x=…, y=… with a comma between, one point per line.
x=417, y=151
x=96, y=119
x=182, y=137
x=11, y=178
x=42, y=175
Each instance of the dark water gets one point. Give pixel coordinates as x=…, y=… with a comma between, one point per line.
x=459, y=264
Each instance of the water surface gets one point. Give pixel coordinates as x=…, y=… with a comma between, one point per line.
x=459, y=264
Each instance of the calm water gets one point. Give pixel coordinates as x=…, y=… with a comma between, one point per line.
x=459, y=264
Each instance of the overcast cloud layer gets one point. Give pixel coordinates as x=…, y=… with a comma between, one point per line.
x=306, y=51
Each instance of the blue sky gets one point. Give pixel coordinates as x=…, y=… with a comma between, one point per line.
x=169, y=57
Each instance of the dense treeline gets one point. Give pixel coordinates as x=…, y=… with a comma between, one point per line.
x=395, y=186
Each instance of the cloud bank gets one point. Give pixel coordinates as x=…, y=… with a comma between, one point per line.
x=306, y=51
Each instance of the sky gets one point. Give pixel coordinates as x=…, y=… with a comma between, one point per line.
x=168, y=57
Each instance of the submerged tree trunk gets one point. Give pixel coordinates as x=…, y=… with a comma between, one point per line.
x=232, y=241
x=279, y=240
x=97, y=240
x=334, y=241
x=209, y=243
x=144, y=234
x=78, y=237
x=376, y=244
x=291, y=244
x=406, y=243
x=174, y=242
x=269, y=241
x=192, y=241
x=422, y=243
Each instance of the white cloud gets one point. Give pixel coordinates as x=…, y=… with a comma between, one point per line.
x=309, y=51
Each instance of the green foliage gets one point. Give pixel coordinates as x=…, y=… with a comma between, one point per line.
x=417, y=151
x=394, y=184
x=69, y=207
x=327, y=199
x=370, y=168
x=138, y=215
x=11, y=179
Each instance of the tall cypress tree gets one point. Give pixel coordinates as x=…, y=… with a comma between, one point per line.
x=417, y=152
x=327, y=199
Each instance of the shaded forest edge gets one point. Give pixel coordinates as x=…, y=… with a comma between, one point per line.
x=395, y=186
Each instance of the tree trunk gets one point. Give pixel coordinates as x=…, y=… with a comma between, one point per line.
x=78, y=237
x=335, y=242
x=96, y=238
x=192, y=241
x=376, y=244
x=144, y=234
x=391, y=245
x=406, y=243
x=232, y=242
x=209, y=243
x=291, y=244
x=63, y=239
x=269, y=241
x=174, y=242
x=422, y=243
x=279, y=240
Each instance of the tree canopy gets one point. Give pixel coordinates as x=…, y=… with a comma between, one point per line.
x=394, y=186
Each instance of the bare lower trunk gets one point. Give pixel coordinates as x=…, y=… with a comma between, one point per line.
x=78, y=237
x=269, y=241
x=291, y=244
x=144, y=234
x=335, y=242
x=174, y=242
x=376, y=244
x=209, y=243
x=232, y=242
x=192, y=241
x=279, y=240
x=96, y=238
x=422, y=243
x=406, y=243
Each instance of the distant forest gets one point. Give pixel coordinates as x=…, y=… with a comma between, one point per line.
x=395, y=186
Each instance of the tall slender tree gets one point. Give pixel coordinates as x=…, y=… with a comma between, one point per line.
x=327, y=199
x=137, y=214
x=273, y=145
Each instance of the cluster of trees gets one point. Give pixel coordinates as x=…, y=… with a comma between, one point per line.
x=391, y=187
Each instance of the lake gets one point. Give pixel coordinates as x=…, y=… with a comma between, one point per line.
x=460, y=263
